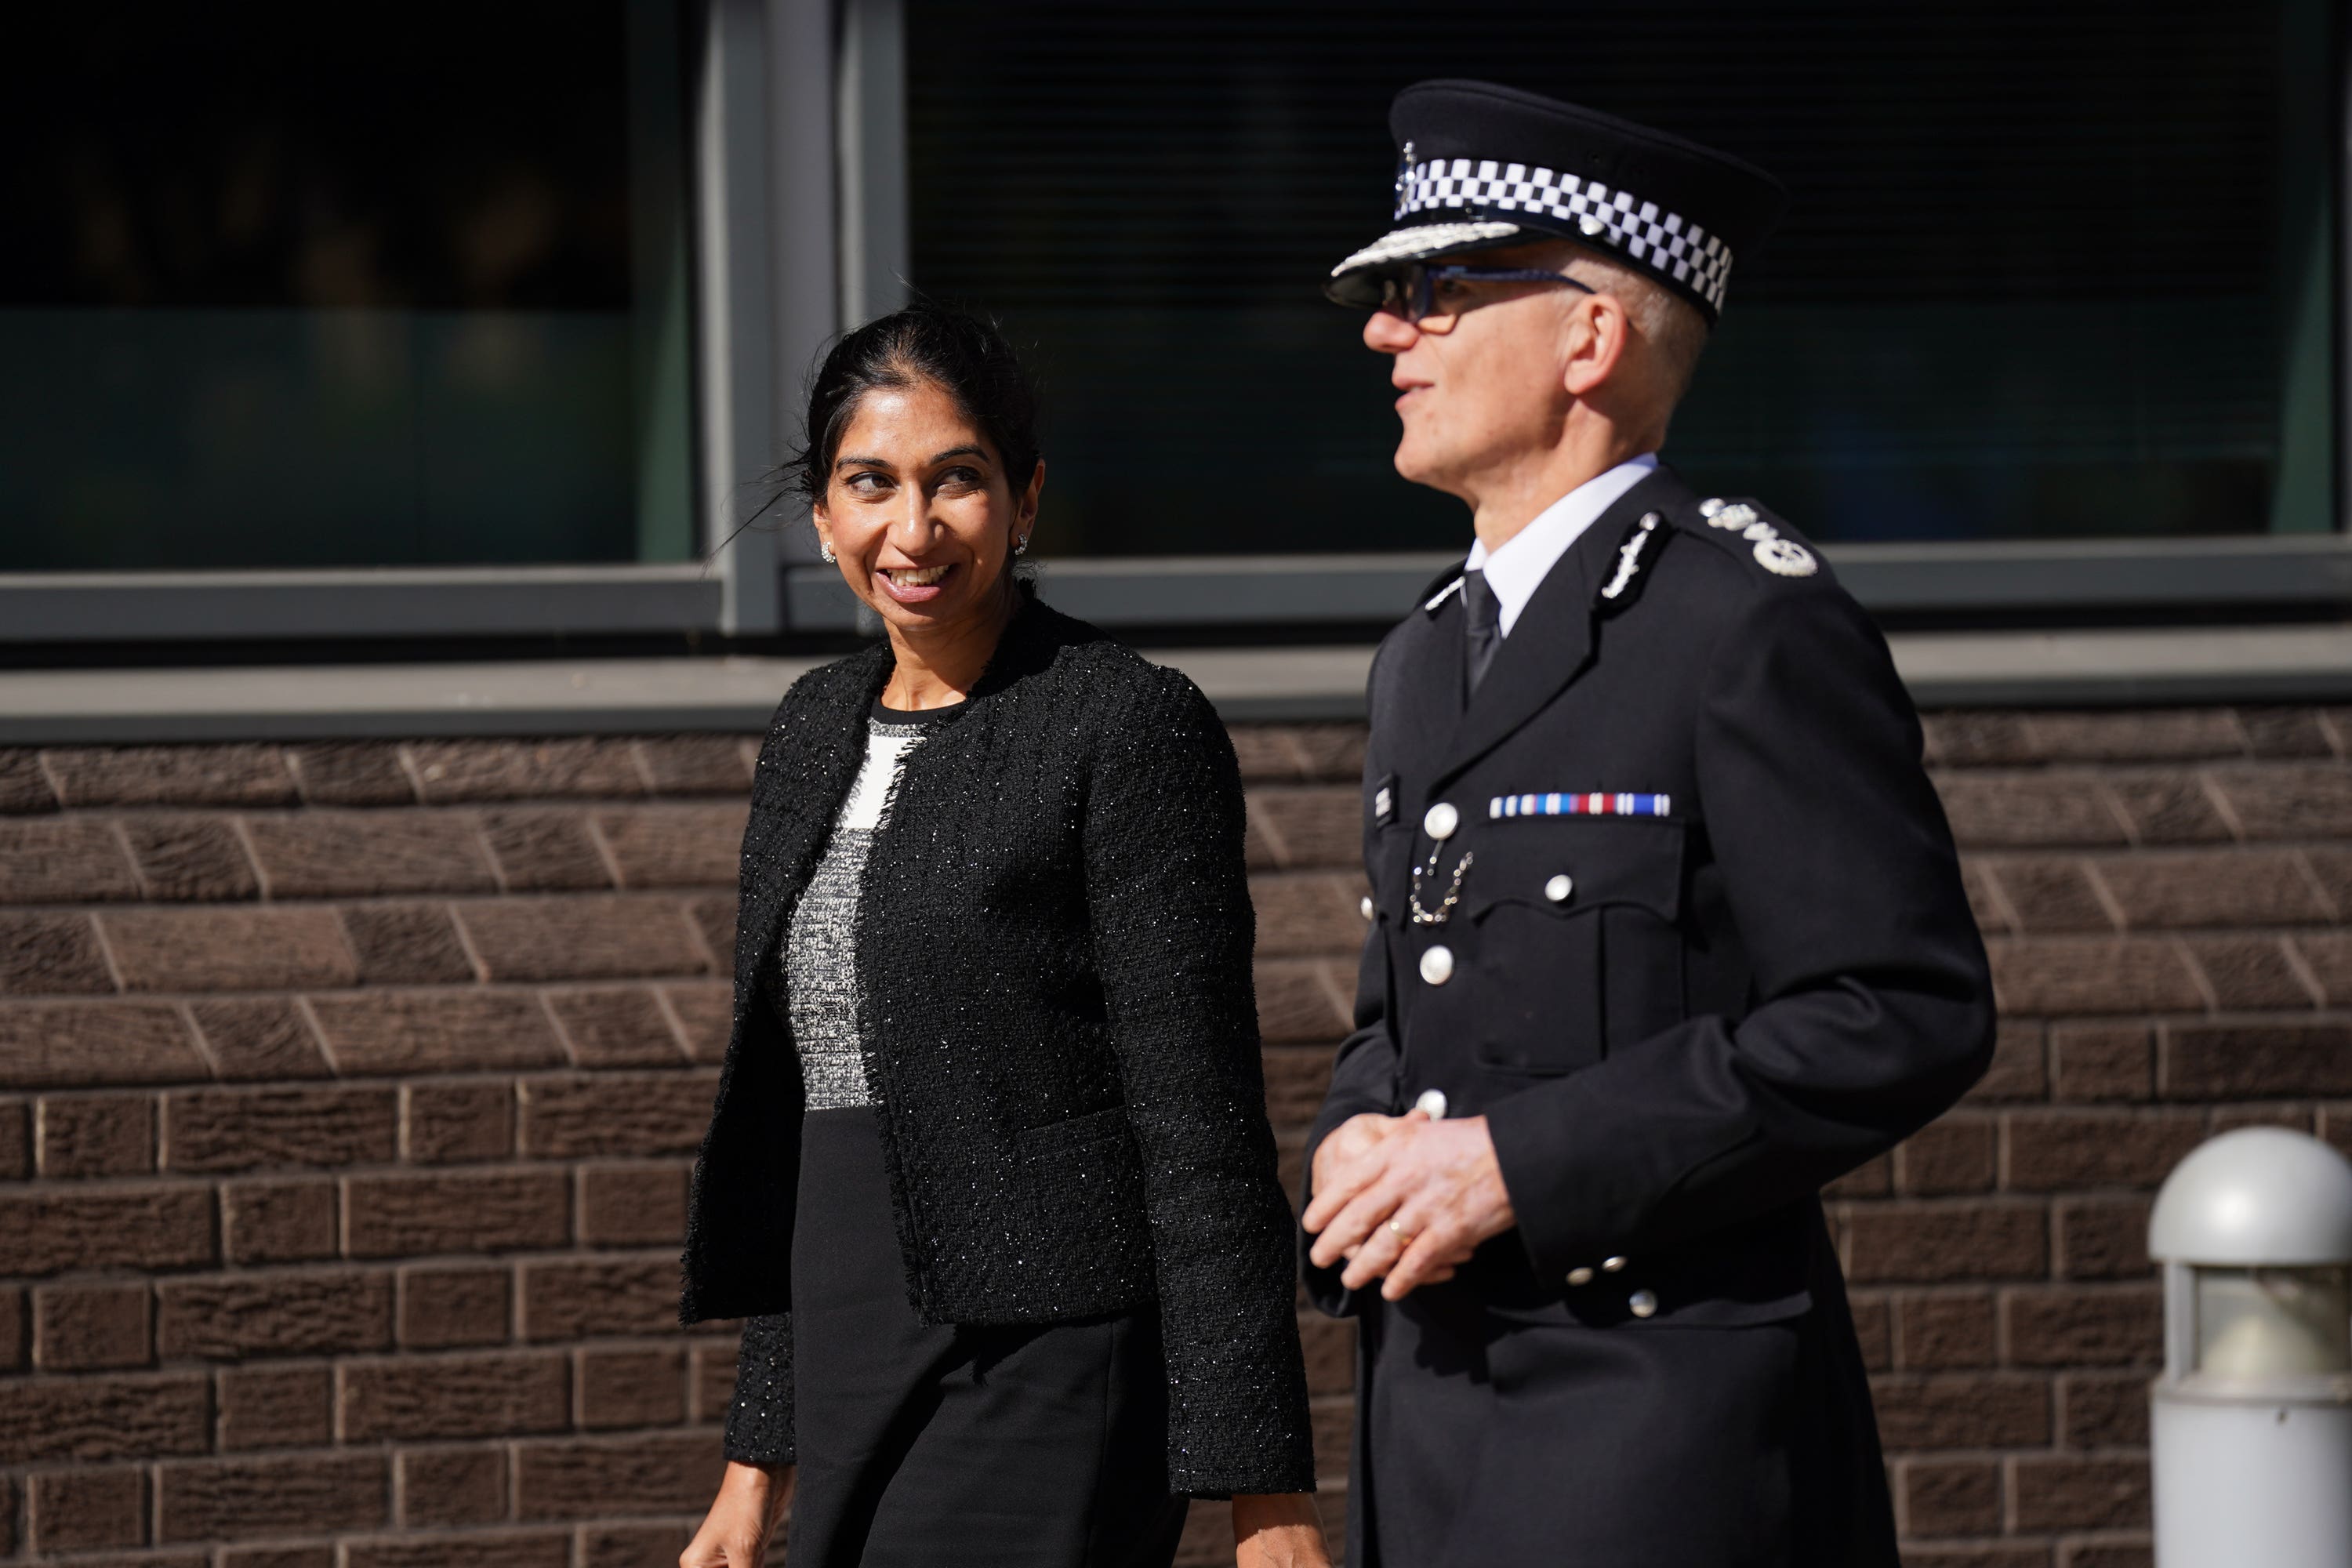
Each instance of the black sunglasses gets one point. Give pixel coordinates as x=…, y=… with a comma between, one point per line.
x=1411, y=292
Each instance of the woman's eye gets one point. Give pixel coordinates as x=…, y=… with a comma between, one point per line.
x=960, y=478
x=867, y=484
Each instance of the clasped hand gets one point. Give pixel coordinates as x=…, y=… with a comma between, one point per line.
x=1404, y=1200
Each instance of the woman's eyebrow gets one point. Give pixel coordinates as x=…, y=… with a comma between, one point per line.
x=963, y=451
x=861, y=462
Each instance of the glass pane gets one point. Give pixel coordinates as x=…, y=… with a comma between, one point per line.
x=390, y=284
x=2054, y=268
x=2274, y=1322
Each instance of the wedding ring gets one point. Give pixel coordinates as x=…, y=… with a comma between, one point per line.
x=1397, y=1231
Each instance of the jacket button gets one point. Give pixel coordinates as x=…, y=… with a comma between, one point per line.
x=1367, y=906
x=1437, y=965
x=1559, y=888
x=1643, y=1303
x=1441, y=820
x=1610, y=1265
x=1431, y=1104
x=1579, y=1276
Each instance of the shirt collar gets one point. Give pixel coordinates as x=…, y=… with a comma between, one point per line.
x=1516, y=570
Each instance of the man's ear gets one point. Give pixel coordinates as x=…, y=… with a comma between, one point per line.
x=1599, y=333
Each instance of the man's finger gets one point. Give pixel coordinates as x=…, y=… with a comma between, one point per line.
x=1353, y=1226
x=1380, y=1253
x=1430, y=1255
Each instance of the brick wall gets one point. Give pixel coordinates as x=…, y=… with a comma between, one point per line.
x=346, y=1093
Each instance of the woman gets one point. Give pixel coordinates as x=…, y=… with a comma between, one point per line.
x=990, y=1171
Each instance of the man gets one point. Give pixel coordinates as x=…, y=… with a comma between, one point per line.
x=1668, y=928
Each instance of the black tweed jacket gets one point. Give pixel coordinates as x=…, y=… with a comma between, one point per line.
x=1066, y=1063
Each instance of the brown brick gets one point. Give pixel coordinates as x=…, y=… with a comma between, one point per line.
x=451, y=1485
x=2293, y=1118
x=2082, y=974
x=704, y=1014
x=480, y=1548
x=1296, y=1078
x=407, y=944
x=1302, y=1002
x=614, y=1115
x=2102, y=1062
x=319, y=1556
x=2073, y=1492
x=614, y=1026
x=1954, y=1155
x=714, y=921
x=1331, y=1348
x=694, y=764
x=306, y=1313
x=2108, y=1552
x=15, y=1329
x=190, y=858
x=712, y=1380
x=95, y=1135
x=1937, y=1242
x=454, y=1396
x=524, y=770
x=255, y=1129
x=2328, y=955
x=581, y=938
x=650, y=1546
x=2048, y=894
x=2101, y=1410
x=1948, y=1497
x=2135, y=734
x=2248, y=1061
x=23, y=787
x=1987, y=908
x=1946, y=1330
x=2211, y=887
x=259, y=1037
x=215, y=949
x=1873, y=1178
x=633, y=1205
x=15, y=1140
x=1972, y=738
x=444, y=1306
x=636, y=1385
x=2053, y=1152
x=674, y=846
x=1311, y=828
x=545, y=851
x=277, y=1407
x=2332, y=865
x=2288, y=802
x=570, y=1301
x=390, y=1216
x=2019, y=1071
x=2167, y=808
x=278, y=1222
x=85, y=1419
x=436, y=1031
x=2283, y=732
x=1309, y=913
x=643, y=1474
x=171, y=776
x=2083, y=1326
x=1992, y=811
x=250, y=1500
x=73, y=860
x=2103, y=1239
x=352, y=773
x=1873, y=1328
x=2248, y=972
x=52, y=955
x=447, y=1122
x=48, y=1232
x=85, y=1509
x=327, y=854
x=92, y=1327
x=1962, y=1412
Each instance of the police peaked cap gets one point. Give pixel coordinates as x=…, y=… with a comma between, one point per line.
x=1480, y=165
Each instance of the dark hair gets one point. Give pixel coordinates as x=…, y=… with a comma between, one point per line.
x=923, y=342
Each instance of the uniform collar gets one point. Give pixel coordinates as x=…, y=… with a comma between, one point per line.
x=1516, y=570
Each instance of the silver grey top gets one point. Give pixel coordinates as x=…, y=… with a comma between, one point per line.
x=819, y=953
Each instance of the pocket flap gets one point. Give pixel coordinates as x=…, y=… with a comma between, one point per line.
x=1566, y=866
x=1056, y=1136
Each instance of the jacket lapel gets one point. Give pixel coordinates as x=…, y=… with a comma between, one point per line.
x=1552, y=641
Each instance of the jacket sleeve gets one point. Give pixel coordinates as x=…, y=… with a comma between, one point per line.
x=1167, y=897
x=1872, y=1008
x=759, y=1419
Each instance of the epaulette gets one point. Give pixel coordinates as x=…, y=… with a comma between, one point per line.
x=1745, y=523
x=1442, y=586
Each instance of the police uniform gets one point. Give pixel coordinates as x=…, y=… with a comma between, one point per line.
x=1668, y=899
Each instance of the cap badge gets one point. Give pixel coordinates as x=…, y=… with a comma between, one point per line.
x=1403, y=176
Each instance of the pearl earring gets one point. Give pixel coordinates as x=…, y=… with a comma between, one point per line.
x=1020, y=547
x=825, y=550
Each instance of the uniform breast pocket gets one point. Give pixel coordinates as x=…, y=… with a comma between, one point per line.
x=1576, y=923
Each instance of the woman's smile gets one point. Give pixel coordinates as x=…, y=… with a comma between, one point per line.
x=915, y=584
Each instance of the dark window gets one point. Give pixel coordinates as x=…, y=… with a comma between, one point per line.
x=2059, y=267
x=375, y=283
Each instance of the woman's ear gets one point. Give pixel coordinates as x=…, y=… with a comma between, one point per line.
x=1024, y=506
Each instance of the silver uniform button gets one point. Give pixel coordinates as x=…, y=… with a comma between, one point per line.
x=1643, y=1303
x=1367, y=906
x=1431, y=1104
x=1440, y=821
x=1579, y=1276
x=1559, y=888
x=1437, y=965
x=1610, y=1265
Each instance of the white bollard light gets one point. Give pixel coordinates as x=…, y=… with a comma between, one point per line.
x=2251, y=1427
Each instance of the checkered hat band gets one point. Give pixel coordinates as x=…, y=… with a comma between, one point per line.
x=1665, y=241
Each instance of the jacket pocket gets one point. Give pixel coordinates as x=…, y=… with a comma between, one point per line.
x=1037, y=1143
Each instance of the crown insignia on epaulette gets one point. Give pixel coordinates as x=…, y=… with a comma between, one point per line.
x=1785, y=557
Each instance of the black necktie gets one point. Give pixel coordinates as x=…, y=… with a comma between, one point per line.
x=1482, y=627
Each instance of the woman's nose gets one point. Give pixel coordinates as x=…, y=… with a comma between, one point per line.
x=913, y=528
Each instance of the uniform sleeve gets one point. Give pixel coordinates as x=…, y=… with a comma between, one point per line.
x=1873, y=1004
x=760, y=1417
x=1168, y=898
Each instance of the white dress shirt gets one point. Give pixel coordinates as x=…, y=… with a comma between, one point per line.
x=1519, y=567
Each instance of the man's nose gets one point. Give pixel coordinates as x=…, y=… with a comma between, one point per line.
x=1387, y=333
